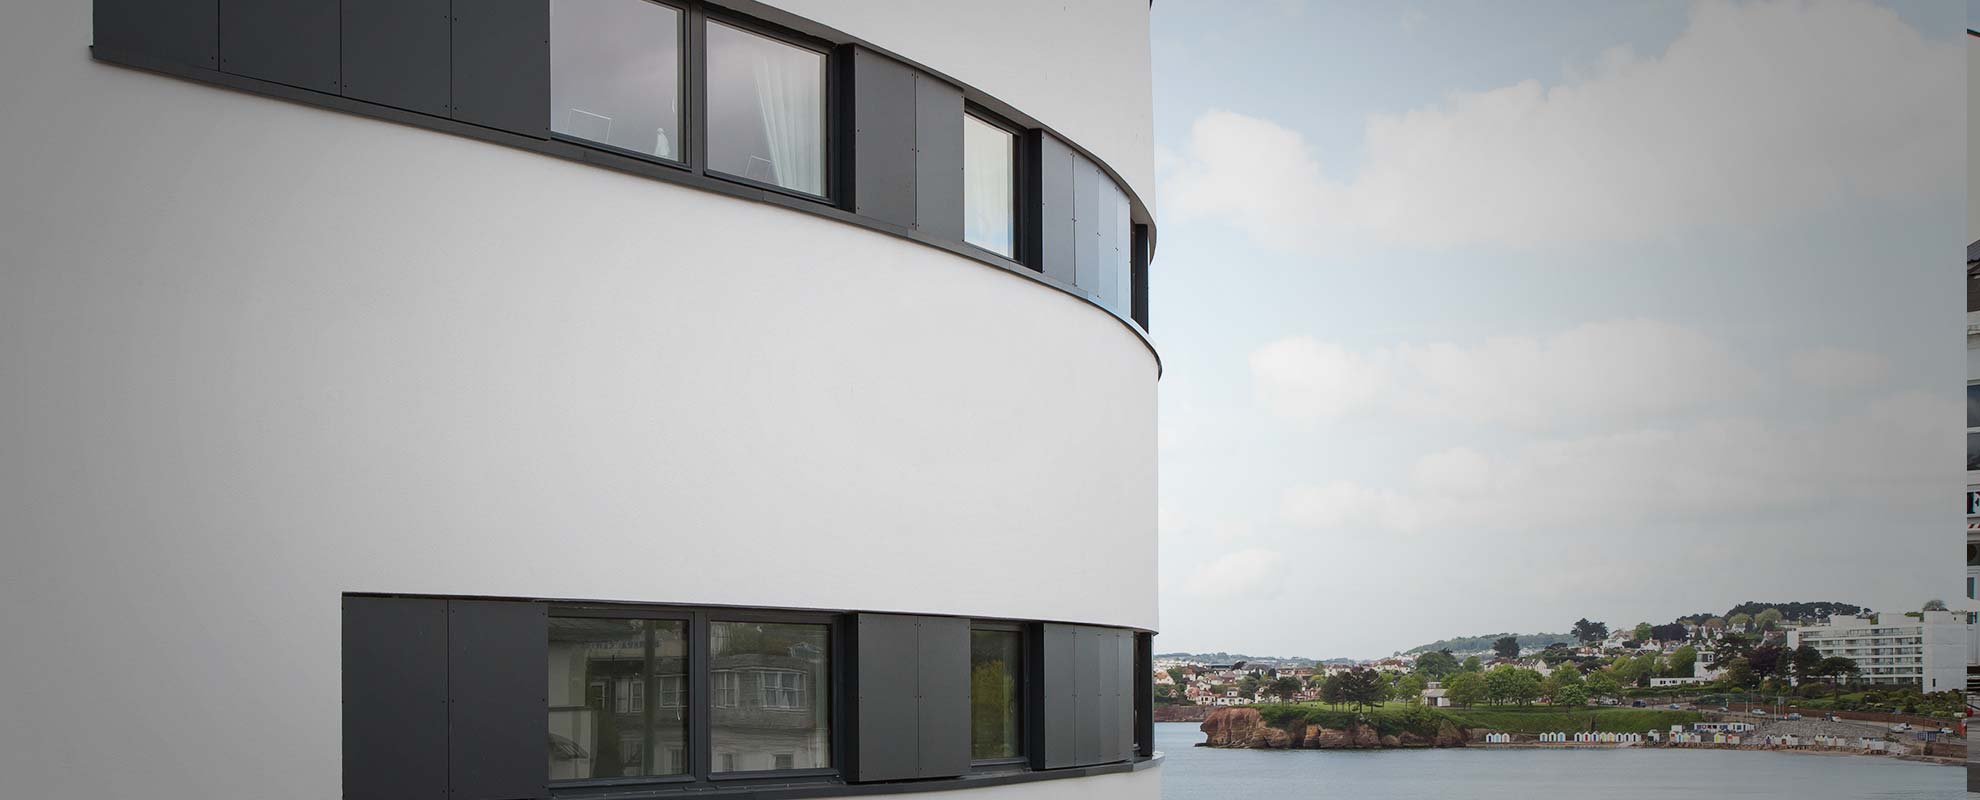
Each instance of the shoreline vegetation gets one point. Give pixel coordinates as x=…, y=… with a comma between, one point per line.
x=1300, y=726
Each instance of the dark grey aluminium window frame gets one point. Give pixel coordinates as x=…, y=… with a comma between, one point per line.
x=830, y=101
x=699, y=754
x=687, y=89
x=1020, y=184
x=1022, y=761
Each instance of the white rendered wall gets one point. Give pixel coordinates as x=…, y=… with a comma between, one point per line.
x=254, y=355
x=1081, y=67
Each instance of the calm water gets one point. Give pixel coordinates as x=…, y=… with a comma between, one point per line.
x=1200, y=773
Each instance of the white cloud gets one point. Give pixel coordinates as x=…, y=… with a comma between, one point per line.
x=1234, y=573
x=1757, y=111
x=1888, y=456
x=1838, y=368
x=1616, y=370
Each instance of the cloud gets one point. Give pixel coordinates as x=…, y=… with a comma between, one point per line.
x=1890, y=454
x=1615, y=370
x=1755, y=112
x=1838, y=368
x=1237, y=572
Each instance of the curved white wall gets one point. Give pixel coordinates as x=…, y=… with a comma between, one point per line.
x=1081, y=67
x=255, y=354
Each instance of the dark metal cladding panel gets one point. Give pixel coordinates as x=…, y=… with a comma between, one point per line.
x=1091, y=713
x=395, y=699
x=1055, y=196
x=938, y=111
x=1125, y=697
x=1107, y=695
x=1061, y=702
x=944, y=712
x=889, y=737
x=179, y=31
x=282, y=41
x=883, y=138
x=501, y=65
x=496, y=699
x=1140, y=266
x=396, y=53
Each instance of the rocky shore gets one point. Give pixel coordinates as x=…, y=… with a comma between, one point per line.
x=1244, y=728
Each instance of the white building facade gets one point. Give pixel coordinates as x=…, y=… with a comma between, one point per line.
x=531, y=398
x=1930, y=651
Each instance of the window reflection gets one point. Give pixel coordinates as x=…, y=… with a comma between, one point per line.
x=994, y=694
x=771, y=706
x=615, y=74
x=617, y=697
x=988, y=154
x=766, y=109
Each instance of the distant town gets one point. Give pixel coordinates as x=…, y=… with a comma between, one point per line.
x=1822, y=655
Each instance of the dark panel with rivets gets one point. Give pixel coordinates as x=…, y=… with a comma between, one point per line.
x=395, y=698
x=883, y=138
x=396, y=53
x=180, y=31
x=938, y=111
x=1056, y=256
x=281, y=41
x=944, y=707
x=888, y=653
x=501, y=65
x=496, y=699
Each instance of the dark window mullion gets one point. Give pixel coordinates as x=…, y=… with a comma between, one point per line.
x=696, y=76
x=700, y=707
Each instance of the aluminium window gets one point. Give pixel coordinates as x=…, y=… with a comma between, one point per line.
x=601, y=723
x=989, y=186
x=766, y=109
x=616, y=75
x=772, y=714
x=996, y=694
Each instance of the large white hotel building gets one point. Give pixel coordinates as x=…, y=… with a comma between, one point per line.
x=504, y=399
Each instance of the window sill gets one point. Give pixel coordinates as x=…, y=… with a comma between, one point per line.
x=796, y=788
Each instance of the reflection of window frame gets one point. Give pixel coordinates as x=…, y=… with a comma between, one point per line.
x=671, y=691
x=725, y=688
x=773, y=697
x=1971, y=430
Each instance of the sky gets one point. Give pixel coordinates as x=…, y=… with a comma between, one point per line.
x=1482, y=317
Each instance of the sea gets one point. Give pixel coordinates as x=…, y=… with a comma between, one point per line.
x=1201, y=773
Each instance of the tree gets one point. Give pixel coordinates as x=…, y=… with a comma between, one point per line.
x=1739, y=674
x=1248, y=686
x=1669, y=632
x=1642, y=632
x=1178, y=675
x=1410, y=687
x=1506, y=647
x=1734, y=644
x=1164, y=693
x=1472, y=664
x=1604, y=683
x=1285, y=687
x=1837, y=667
x=1333, y=690
x=1437, y=664
x=1465, y=688
x=1935, y=604
x=1590, y=632
x=1682, y=661
x=1767, y=619
x=1806, y=659
x=1363, y=687
x=1768, y=660
x=1740, y=621
x=1569, y=696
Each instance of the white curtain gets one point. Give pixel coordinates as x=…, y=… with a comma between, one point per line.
x=789, y=89
x=987, y=186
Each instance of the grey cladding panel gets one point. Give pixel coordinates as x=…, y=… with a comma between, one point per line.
x=888, y=736
x=1107, y=695
x=1061, y=697
x=179, y=31
x=1086, y=225
x=1126, y=689
x=396, y=53
x=944, y=697
x=1092, y=713
x=496, y=699
x=938, y=110
x=883, y=138
x=501, y=65
x=395, y=698
x=283, y=41
x=1055, y=195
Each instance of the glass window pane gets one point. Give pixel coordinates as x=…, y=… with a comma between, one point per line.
x=1972, y=451
x=1973, y=405
x=615, y=694
x=766, y=109
x=988, y=185
x=615, y=74
x=993, y=694
x=771, y=696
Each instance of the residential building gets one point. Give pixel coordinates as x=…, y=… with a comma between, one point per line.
x=527, y=398
x=1435, y=695
x=1929, y=649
